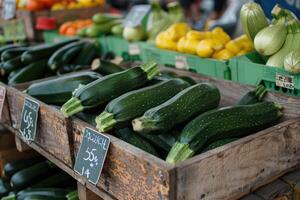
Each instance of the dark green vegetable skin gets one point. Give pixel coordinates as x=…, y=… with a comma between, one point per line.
x=42, y=197
x=44, y=193
x=87, y=54
x=60, y=179
x=43, y=51
x=101, y=91
x=59, y=90
x=5, y=187
x=188, y=103
x=105, y=67
x=236, y=121
x=219, y=143
x=12, y=53
x=71, y=54
x=26, y=177
x=123, y=109
x=253, y=96
x=31, y=72
x=11, y=168
x=10, y=46
x=56, y=61
x=134, y=139
x=11, y=65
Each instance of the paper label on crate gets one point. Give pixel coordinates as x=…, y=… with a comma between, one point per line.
x=134, y=49
x=91, y=156
x=136, y=15
x=285, y=81
x=29, y=119
x=2, y=99
x=9, y=9
x=181, y=62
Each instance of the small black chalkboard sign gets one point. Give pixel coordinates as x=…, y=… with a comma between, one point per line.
x=91, y=156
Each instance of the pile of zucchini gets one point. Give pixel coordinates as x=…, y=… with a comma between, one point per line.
x=23, y=63
x=170, y=117
x=36, y=178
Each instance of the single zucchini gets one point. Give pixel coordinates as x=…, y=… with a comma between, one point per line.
x=185, y=105
x=105, y=67
x=56, y=61
x=26, y=177
x=10, y=46
x=87, y=117
x=133, y=104
x=219, y=143
x=58, y=191
x=43, y=51
x=59, y=90
x=11, y=65
x=134, y=139
x=31, y=72
x=13, y=167
x=253, y=96
x=12, y=53
x=54, y=194
x=87, y=54
x=60, y=179
x=101, y=91
x=43, y=197
x=71, y=54
x=236, y=121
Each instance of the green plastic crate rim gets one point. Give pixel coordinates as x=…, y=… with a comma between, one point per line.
x=209, y=67
x=250, y=69
x=121, y=47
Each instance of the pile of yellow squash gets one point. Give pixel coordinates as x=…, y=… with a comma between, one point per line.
x=215, y=44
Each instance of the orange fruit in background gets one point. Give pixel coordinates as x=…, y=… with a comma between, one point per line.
x=63, y=28
x=71, y=31
x=34, y=5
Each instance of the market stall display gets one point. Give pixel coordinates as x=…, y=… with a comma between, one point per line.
x=116, y=104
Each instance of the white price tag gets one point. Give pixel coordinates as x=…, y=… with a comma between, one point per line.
x=134, y=49
x=181, y=62
x=285, y=81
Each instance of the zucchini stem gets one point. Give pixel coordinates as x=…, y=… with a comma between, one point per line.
x=179, y=152
x=151, y=69
x=143, y=125
x=105, y=121
x=72, y=107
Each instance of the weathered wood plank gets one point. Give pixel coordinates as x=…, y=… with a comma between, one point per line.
x=86, y=194
x=52, y=130
x=21, y=146
x=275, y=190
x=234, y=169
x=130, y=173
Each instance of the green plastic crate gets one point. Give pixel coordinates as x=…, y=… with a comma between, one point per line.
x=120, y=47
x=209, y=67
x=250, y=69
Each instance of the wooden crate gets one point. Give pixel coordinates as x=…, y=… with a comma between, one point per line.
x=52, y=126
x=227, y=172
x=60, y=15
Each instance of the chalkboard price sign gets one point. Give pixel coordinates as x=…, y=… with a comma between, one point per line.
x=29, y=119
x=91, y=156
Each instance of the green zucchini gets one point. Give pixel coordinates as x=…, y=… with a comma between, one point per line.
x=26, y=177
x=134, y=139
x=43, y=51
x=105, y=67
x=72, y=195
x=11, y=168
x=236, y=121
x=56, y=61
x=60, y=179
x=253, y=96
x=71, y=54
x=133, y=104
x=41, y=193
x=5, y=188
x=9, y=197
x=101, y=91
x=87, y=54
x=10, y=46
x=188, y=103
x=31, y=72
x=160, y=142
x=11, y=65
x=55, y=190
x=44, y=197
x=12, y=53
x=87, y=117
x=70, y=68
x=219, y=143
x=59, y=90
